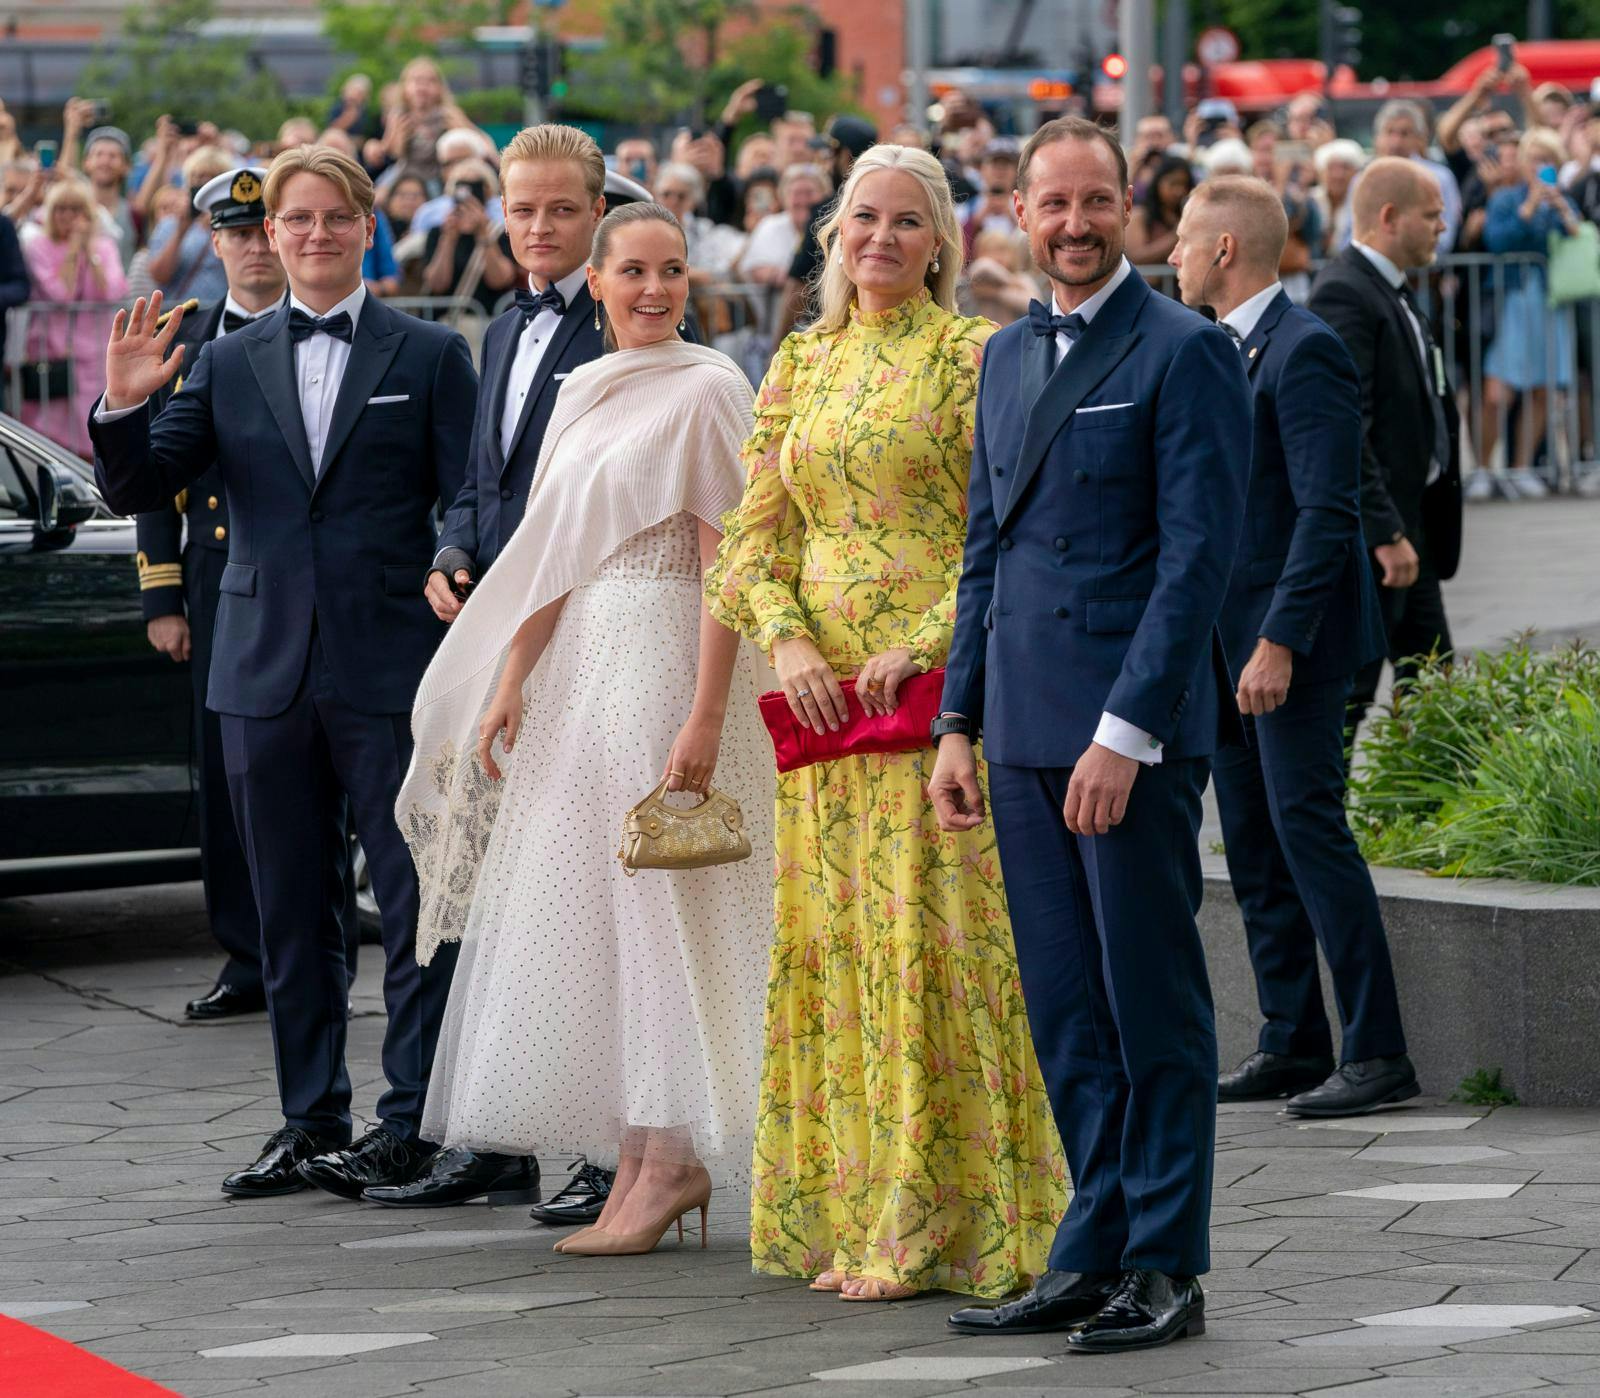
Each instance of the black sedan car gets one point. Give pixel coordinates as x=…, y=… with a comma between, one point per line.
x=97, y=760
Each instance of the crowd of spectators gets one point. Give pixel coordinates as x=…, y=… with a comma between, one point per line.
x=112, y=219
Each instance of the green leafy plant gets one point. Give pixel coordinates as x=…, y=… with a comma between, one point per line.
x=163, y=63
x=1484, y=1089
x=1488, y=767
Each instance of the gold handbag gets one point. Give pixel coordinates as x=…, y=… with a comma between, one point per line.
x=658, y=836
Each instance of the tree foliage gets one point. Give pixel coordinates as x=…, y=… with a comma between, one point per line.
x=162, y=63
x=380, y=37
x=678, y=60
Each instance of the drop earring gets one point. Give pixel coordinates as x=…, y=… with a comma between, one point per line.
x=683, y=325
x=598, y=307
x=934, y=266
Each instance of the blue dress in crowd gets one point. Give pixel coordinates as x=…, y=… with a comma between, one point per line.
x=1532, y=346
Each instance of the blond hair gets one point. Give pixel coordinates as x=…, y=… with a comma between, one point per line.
x=1389, y=180
x=206, y=163
x=1250, y=209
x=1542, y=141
x=552, y=141
x=332, y=165
x=835, y=292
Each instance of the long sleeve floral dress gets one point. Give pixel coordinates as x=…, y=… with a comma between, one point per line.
x=903, y=1131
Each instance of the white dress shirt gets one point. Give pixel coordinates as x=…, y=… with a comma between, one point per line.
x=1397, y=279
x=531, y=347
x=1112, y=732
x=1244, y=317
x=319, y=364
x=232, y=307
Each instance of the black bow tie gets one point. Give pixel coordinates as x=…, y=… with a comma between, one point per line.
x=1044, y=324
x=302, y=326
x=1233, y=334
x=232, y=320
x=549, y=299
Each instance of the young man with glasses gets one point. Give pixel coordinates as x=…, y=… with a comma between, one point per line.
x=337, y=424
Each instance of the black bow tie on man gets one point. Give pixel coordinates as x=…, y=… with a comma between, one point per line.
x=530, y=304
x=233, y=320
x=1045, y=324
x=302, y=326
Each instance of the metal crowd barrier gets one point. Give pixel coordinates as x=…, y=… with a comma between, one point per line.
x=1554, y=413
x=1468, y=298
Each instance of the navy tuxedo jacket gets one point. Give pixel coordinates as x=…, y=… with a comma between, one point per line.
x=1302, y=577
x=1105, y=508
x=480, y=520
x=340, y=553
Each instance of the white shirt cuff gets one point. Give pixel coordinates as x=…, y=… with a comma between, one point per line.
x=1127, y=741
x=105, y=414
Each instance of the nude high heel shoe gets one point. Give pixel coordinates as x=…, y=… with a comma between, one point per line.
x=696, y=1194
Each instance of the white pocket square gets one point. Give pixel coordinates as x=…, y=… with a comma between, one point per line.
x=568, y=374
x=390, y=398
x=1104, y=407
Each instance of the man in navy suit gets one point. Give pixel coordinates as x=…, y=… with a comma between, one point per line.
x=1301, y=619
x=553, y=178
x=336, y=424
x=1109, y=470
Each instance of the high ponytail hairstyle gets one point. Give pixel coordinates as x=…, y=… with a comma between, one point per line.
x=605, y=234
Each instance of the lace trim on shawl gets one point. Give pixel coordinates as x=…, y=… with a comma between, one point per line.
x=448, y=846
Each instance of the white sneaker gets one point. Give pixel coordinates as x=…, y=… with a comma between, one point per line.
x=1479, y=487
x=1524, y=484
x=1587, y=484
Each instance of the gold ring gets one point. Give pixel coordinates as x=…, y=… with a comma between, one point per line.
x=674, y=773
x=874, y=684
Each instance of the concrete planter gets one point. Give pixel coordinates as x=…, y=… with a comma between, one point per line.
x=1493, y=973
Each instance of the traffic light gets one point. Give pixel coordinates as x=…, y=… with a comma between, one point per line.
x=1347, y=35
x=542, y=69
x=1114, y=66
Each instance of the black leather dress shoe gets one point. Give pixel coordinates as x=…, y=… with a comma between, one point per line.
x=456, y=1175
x=1359, y=1087
x=277, y=1168
x=1058, y=1300
x=378, y=1158
x=1149, y=1309
x=224, y=1000
x=1263, y=1076
x=580, y=1200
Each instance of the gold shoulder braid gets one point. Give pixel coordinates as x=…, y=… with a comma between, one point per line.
x=658, y=836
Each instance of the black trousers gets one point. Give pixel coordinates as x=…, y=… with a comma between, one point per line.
x=224, y=871
x=1300, y=881
x=290, y=775
x=1415, y=620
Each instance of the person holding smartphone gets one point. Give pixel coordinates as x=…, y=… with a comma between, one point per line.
x=467, y=256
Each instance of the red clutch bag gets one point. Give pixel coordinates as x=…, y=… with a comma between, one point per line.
x=905, y=730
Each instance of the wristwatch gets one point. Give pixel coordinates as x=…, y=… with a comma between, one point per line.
x=949, y=723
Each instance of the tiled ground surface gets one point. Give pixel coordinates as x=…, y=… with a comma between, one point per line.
x=1391, y=1263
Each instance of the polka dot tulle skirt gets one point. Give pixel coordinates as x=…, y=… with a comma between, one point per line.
x=586, y=1004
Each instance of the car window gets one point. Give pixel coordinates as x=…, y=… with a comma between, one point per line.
x=16, y=501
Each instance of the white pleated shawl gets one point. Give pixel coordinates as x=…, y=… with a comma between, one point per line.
x=636, y=437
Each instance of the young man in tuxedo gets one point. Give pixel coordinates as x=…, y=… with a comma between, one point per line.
x=553, y=186
x=1410, y=438
x=1109, y=467
x=553, y=181
x=180, y=585
x=1301, y=618
x=337, y=425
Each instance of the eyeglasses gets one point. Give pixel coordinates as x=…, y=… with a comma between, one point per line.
x=302, y=221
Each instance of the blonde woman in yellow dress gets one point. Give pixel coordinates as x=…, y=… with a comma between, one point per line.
x=903, y=1138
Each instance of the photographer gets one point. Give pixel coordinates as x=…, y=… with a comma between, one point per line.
x=183, y=263
x=467, y=256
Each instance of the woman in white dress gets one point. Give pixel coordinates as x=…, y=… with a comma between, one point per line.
x=590, y=1011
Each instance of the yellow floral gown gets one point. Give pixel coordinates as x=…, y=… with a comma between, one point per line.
x=902, y=1131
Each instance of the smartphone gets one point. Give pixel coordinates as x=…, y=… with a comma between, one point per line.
x=1548, y=174
x=99, y=109
x=45, y=151
x=475, y=188
x=188, y=128
x=1505, y=52
x=771, y=101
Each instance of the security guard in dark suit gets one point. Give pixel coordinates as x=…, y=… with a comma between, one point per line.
x=183, y=549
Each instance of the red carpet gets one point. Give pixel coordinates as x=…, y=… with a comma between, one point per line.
x=36, y=1365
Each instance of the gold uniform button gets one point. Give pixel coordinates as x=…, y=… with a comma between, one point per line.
x=212, y=502
x=221, y=532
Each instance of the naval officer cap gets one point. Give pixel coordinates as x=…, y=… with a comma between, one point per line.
x=233, y=199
